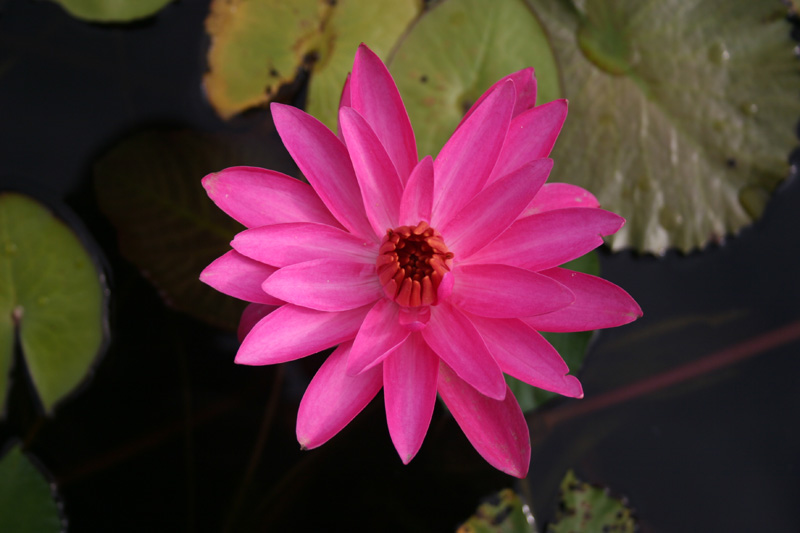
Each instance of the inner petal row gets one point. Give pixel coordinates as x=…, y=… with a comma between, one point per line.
x=412, y=261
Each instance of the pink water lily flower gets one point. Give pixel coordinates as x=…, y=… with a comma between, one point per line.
x=432, y=275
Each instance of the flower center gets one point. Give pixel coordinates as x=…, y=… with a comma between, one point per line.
x=412, y=261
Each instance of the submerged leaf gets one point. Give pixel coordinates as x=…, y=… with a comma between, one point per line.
x=584, y=507
x=682, y=113
x=500, y=513
x=456, y=51
x=258, y=46
x=27, y=501
x=149, y=186
x=53, y=293
x=571, y=346
x=112, y=10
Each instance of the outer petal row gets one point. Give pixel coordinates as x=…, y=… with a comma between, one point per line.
x=238, y=276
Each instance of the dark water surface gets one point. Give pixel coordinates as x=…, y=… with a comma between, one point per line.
x=691, y=412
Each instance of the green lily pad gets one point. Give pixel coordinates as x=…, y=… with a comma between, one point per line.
x=571, y=346
x=27, y=499
x=53, y=293
x=682, y=114
x=501, y=513
x=112, y=10
x=149, y=187
x=585, y=507
x=459, y=49
x=259, y=46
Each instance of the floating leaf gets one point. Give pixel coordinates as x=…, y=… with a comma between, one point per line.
x=258, y=46
x=112, y=10
x=149, y=187
x=51, y=290
x=458, y=50
x=501, y=513
x=584, y=507
x=682, y=113
x=571, y=346
x=27, y=500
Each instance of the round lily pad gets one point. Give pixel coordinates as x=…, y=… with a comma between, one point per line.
x=53, y=294
x=27, y=499
x=682, y=113
x=112, y=10
x=459, y=49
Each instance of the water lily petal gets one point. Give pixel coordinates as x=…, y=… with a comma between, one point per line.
x=496, y=429
x=415, y=206
x=503, y=291
x=466, y=160
x=551, y=238
x=291, y=332
x=326, y=284
x=558, y=196
x=598, y=304
x=333, y=399
x=344, y=101
x=523, y=353
x=374, y=95
x=287, y=244
x=238, y=276
x=525, y=85
x=324, y=161
x=251, y=316
x=381, y=188
x=453, y=337
x=531, y=135
x=409, y=388
x=258, y=197
x=494, y=209
x=378, y=337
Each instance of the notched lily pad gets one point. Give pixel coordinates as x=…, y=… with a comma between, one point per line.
x=53, y=294
x=571, y=346
x=259, y=46
x=500, y=513
x=459, y=49
x=112, y=10
x=584, y=507
x=28, y=501
x=682, y=115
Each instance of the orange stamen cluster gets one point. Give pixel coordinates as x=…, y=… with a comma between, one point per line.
x=412, y=261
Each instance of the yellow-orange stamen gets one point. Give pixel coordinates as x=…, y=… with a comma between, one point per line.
x=412, y=261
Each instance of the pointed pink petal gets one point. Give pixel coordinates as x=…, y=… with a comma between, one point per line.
x=326, y=284
x=409, y=389
x=380, y=186
x=344, y=101
x=550, y=239
x=324, y=161
x=380, y=334
x=503, y=291
x=523, y=353
x=465, y=162
x=251, y=315
x=598, y=304
x=415, y=206
x=416, y=318
x=530, y=136
x=291, y=332
x=453, y=337
x=496, y=429
x=525, y=85
x=494, y=209
x=558, y=196
x=258, y=197
x=374, y=95
x=236, y=275
x=333, y=399
x=287, y=244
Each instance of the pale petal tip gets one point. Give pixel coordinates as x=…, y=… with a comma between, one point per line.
x=573, y=387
